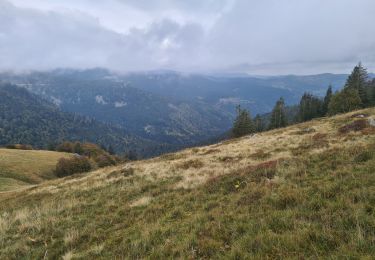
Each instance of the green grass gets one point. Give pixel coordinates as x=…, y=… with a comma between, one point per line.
x=317, y=209
x=24, y=167
x=311, y=205
x=10, y=184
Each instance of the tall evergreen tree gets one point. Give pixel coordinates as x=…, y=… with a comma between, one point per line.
x=358, y=80
x=243, y=124
x=310, y=107
x=344, y=101
x=326, y=100
x=258, y=123
x=278, y=117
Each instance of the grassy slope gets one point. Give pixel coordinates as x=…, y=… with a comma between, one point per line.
x=20, y=167
x=301, y=192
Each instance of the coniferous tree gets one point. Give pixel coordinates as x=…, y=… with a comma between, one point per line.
x=258, y=123
x=310, y=107
x=344, y=101
x=358, y=80
x=243, y=124
x=326, y=100
x=278, y=117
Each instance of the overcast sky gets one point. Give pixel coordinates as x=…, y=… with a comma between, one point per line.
x=253, y=36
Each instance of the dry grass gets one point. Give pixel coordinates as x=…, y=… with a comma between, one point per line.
x=141, y=202
x=25, y=167
x=276, y=194
x=68, y=255
x=196, y=164
x=71, y=236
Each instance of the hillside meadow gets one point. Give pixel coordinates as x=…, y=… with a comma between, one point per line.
x=305, y=191
x=19, y=168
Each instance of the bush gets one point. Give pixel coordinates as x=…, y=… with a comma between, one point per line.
x=364, y=156
x=355, y=126
x=67, y=167
x=92, y=151
x=20, y=146
x=105, y=160
x=67, y=147
x=196, y=164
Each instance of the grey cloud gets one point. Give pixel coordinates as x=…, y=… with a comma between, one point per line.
x=183, y=5
x=41, y=40
x=295, y=32
x=267, y=37
x=32, y=39
x=164, y=44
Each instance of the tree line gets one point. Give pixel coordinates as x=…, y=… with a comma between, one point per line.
x=358, y=92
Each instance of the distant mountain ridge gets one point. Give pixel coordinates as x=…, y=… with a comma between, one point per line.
x=107, y=98
x=169, y=107
x=26, y=118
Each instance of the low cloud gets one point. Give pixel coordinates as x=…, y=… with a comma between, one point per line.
x=259, y=37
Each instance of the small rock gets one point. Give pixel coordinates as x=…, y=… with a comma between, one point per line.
x=371, y=122
x=359, y=116
x=308, y=130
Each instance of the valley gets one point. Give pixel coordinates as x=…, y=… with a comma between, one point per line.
x=168, y=108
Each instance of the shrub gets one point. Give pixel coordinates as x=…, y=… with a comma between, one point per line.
x=105, y=160
x=67, y=167
x=196, y=164
x=67, y=147
x=101, y=157
x=260, y=154
x=357, y=125
x=20, y=146
x=263, y=170
x=364, y=156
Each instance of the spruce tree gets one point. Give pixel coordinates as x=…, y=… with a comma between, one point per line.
x=344, y=101
x=278, y=117
x=258, y=123
x=310, y=107
x=243, y=124
x=358, y=80
x=326, y=100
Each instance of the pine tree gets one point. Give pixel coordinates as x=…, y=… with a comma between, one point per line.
x=344, y=101
x=358, y=80
x=243, y=124
x=278, y=117
x=326, y=100
x=310, y=107
x=258, y=123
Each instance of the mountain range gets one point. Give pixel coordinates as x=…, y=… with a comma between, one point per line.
x=28, y=119
x=166, y=108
